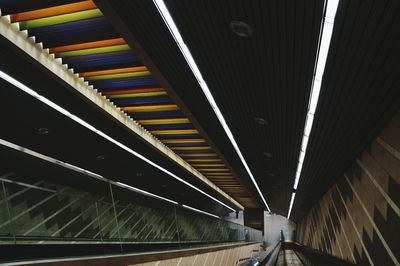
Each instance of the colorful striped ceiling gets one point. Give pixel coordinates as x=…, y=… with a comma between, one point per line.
x=79, y=34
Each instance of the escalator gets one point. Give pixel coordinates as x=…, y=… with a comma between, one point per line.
x=289, y=253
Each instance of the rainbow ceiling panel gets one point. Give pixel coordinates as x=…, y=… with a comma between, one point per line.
x=79, y=34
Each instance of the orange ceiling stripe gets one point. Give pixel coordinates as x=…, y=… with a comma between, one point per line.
x=220, y=178
x=197, y=154
x=87, y=45
x=182, y=140
x=208, y=165
x=164, y=121
x=203, y=160
x=116, y=92
x=149, y=107
x=222, y=175
x=53, y=11
x=113, y=71
x=174, y=132
x=191, y=148
x=213, y=170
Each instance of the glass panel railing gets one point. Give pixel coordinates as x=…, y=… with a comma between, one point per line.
x=38, y=211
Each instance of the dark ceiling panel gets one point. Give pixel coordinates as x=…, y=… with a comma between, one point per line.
x=359, y=94
x=267, y=75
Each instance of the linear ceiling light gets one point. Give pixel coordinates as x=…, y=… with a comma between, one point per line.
x=200, y=211
x=322, y=54
x=79, y=169
x=80, y=121
x=94, y=175
x=163, y=10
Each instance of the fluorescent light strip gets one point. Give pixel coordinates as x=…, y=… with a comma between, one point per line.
x=75, y=118
x=200, y=211
x=323, y=49
x=163, y=10
x=79, y=169
x=93, y=175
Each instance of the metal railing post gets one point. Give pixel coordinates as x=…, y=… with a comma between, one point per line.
x=8, y=212
x=116, y=218
x=177, y=227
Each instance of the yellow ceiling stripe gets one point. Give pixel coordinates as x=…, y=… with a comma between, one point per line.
x=197, y=154
x=174, y=132
x=166, y=121
x=203, y=160
x=213, y=170
x=150, y=108
x=191, y=148
x=54, y=20
x=120, y=75
x=97, y=50
x=208, y=165
x=183, y=140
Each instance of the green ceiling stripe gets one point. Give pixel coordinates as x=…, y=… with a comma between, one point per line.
x=98, y=50
x=151, y=110
x=137, y=95
x=48, y=21
x=120, y=75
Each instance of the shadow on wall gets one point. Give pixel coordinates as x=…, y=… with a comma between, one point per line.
x=273, y=225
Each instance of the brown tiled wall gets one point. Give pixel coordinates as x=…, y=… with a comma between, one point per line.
x=225, y=257
x=358, y=219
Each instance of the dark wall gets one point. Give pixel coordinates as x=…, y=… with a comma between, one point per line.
x=254, y=218
x=358, y=219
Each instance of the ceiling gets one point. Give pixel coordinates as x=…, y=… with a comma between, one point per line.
x=267, y=75
x=81, y=36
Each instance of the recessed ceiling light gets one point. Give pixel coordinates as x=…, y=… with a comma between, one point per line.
x=241, y=29
x=43, y=131
x=100, y=157
x=267, y=154
x=260, y=121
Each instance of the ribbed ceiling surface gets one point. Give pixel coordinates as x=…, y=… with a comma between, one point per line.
x=360, y=93
x=267, y=75
x=79, y=34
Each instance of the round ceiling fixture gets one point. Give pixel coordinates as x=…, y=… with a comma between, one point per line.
x=267, y=154
x=100, y=157
x=260, y=121
x=43, y=131
x=241, y=29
